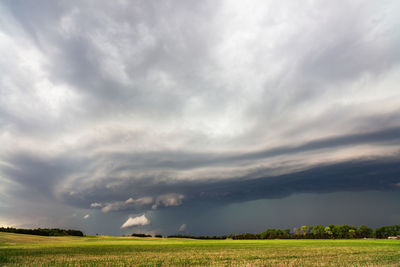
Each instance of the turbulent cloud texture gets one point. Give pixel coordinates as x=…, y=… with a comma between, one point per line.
x=126, y=107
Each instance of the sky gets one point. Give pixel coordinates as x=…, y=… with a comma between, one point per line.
x=199, y=117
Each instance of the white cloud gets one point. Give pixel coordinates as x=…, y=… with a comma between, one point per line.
x=143, y=201
x=129, y=200
x=86, y=216
x=96, y=205
x=136, y=221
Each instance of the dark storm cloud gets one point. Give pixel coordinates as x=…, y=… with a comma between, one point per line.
x=38, y=174
x=141, y=106
x=377, y=175
x=353, y=176
x=181, y=160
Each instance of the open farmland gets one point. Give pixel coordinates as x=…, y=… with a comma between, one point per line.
x=28, y=250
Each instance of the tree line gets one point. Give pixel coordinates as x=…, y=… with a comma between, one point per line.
x=43, y=231
x=145, y=235
x=141, y=235
x=304, y=232
x=311, y=232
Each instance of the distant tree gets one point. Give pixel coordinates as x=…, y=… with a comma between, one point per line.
x=286, y=233
x=364, y=232
x=386, y=231
x=42, y=231
x=296, y=232
x=304, y=230
x=140, y=235
x=319, y=231
x=352, y=233
x=328, y=231
x=275, y=233
x=246, y=236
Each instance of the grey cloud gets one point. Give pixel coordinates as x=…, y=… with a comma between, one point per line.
x=39, y=173
x=359, y=175
x=378, y=175
x=128, y=204
x=355, y=43
x=168, y=200
x=151, y=42
x=389, y=136
x=114, y=206
x=182, y=160
x=165, y=200
x=125, y=106
x=45, y=175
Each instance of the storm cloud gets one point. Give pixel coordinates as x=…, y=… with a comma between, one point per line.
x=113, y=109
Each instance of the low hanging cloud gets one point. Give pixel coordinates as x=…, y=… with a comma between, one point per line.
x=164, y=200
x=352, y=175
x=182, y=228
x=168, y=200
x=86, y=216
x=136, y=221
x=130, y=203
x=140, y=202
x=96, y=205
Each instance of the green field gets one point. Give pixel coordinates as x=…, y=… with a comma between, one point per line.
x=28, y=250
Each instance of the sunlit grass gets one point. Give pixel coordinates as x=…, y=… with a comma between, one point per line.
x=27, y=250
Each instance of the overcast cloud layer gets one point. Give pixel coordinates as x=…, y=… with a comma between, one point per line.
x=118, y=114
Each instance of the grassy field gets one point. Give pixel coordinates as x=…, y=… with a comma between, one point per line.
x=28, y=250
